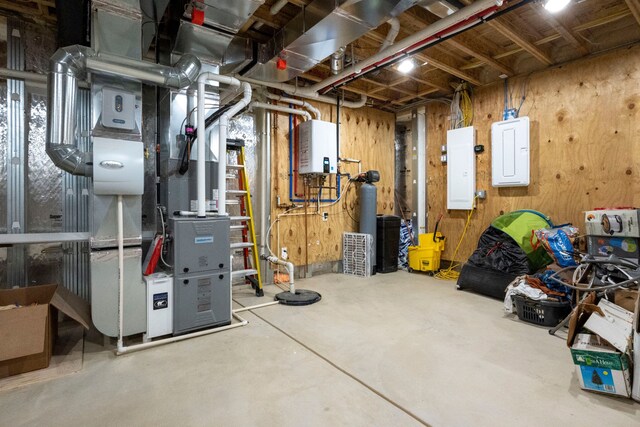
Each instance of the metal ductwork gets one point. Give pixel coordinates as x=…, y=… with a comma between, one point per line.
x=318, y=31
x=66, y=67
x=222, y=20
x=70, y=64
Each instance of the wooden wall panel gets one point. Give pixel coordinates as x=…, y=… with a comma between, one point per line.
x=365, y=134
x=585, y=145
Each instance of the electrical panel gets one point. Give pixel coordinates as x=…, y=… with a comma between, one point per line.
x=159, y=304
x=461, y=168
x=201, y=259
x=318, y=150
x=118, y=109
x=510, y=153
x=118, y=167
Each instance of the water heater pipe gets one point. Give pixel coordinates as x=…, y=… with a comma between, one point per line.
x=303, y=104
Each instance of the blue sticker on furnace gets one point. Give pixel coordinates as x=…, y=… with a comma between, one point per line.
x=203, y=240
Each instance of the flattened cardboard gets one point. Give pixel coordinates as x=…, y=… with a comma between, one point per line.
x=615, y=325
x=72, y=305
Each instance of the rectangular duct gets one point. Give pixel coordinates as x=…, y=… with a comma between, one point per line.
x=319, y=30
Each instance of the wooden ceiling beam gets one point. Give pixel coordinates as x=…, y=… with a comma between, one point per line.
x=634, y=7
x=500, y=25
x=561, y=29
x=614, y=16
x=352, y=89
x=442, y=64
x=438, y=62
x=416, y=95
x=460, y=42
x=487, y=59
x=518, y=39
x=25, y=10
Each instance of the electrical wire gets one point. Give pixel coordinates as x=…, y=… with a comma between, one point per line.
x=164, y=238
x=450, y=273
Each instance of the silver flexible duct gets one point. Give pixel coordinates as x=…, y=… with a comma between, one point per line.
x=69, y=65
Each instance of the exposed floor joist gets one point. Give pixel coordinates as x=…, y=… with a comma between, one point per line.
x=634, y=7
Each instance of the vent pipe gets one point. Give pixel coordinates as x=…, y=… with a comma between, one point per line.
x=337, y=60
x=392, y=34
x=69, y=65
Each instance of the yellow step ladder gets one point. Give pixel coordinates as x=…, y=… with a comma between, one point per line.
x=243, y=223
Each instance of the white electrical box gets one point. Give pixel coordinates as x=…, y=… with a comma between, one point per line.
x=461, y=168
x=118, y=109
x=318, y=151
x=159, y=304
x=510, y=153
x=118, y=166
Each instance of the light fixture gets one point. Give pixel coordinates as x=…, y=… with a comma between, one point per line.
x=554, y=6
x=406, y=65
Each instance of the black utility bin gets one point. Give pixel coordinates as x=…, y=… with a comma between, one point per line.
x=387, y=243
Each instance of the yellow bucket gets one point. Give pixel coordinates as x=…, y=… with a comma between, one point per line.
x=426, y=256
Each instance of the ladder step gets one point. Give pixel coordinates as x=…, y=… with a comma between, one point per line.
x=237, y=192
x=244, y=273
x=238, y=227
x=239, y=218
x=241, y=245
x=232, y=202
x=235, y=167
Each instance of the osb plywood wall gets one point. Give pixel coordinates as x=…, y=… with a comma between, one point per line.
x=365, y=134
x=585, y=146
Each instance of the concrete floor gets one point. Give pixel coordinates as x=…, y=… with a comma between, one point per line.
x=397, y=349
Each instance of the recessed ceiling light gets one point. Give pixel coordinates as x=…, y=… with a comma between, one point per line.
x=554, y=6
x=406, y=65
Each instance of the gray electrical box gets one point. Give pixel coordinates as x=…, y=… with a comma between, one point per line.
x=202, y=279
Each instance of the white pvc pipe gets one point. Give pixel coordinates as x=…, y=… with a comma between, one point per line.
x=253, y=307
x=277, y=6
x=397, y=49
x=272, y=107
x=298, y=102
x=290, y=270
x=120, y=274
x=392, y=34
x=136, y=347
x=222, y=158
x=304, y=92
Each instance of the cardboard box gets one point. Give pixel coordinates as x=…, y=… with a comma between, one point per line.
x=28, y=333
x=635, y=392
x=627, y=299
x=613, y=222
x=600, y=366
x=622, y=247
